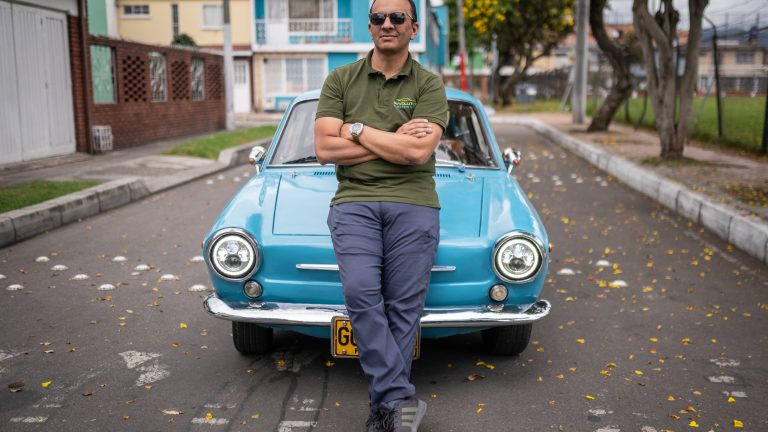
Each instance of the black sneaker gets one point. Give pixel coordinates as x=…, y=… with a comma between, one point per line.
x=406, y=416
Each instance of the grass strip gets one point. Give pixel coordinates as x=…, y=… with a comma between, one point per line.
x=27, y=194
x=210, y=146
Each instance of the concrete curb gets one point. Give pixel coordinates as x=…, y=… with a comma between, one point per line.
x=747, y=234
x=24, y=223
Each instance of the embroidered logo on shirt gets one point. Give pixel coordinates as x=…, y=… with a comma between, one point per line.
x=404, y=103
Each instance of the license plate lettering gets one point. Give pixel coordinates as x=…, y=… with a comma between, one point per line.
x=344, y=345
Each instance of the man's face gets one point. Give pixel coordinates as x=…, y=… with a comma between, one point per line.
x=392, y=38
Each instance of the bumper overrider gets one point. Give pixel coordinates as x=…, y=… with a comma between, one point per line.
x=268, y=313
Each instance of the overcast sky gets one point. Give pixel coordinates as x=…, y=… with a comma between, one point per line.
x=734, y=12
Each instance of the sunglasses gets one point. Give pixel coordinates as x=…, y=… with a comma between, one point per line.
x=396, y=18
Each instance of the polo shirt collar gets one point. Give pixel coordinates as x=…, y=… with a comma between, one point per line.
x=405, y=71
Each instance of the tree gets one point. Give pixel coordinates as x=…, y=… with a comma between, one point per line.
x=526, y=31
x=621, y=53
x=657, y=34
x=184, y=39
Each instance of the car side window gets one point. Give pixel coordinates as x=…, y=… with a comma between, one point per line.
x=464, y=139
x=297, y=142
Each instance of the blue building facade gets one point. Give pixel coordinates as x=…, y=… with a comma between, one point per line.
x=296, y=43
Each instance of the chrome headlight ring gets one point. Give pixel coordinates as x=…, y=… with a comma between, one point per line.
x=233, y=254
x=517, y=257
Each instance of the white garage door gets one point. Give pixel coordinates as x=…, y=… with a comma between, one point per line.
x=37, y=118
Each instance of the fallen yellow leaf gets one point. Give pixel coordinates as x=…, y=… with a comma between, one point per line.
x=581, y=341
x=329, y=363
x=738, y=424
x=693, y=424
x=637, y=372
x=182, y=325
x=208, y=416
x=589, y=397
x=671, y=398
x=654, y=340
x=731, y=399
x=46, y=384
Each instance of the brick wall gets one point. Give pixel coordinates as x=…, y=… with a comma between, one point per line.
x=78, y=91
x=135, y=119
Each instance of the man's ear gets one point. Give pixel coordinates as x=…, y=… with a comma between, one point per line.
x=415, y=30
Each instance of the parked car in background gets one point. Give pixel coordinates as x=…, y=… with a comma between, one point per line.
x=271, y=261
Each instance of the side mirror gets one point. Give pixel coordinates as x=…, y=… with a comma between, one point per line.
x=512, y=159
x=256, y=156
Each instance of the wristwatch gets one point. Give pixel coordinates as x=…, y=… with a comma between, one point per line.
x=355, y=129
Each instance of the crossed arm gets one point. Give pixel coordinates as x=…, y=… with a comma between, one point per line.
x=412, y=144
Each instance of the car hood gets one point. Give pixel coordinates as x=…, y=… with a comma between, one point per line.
x=303, y=202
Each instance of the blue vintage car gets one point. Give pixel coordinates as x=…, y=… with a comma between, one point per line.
x=271, y=261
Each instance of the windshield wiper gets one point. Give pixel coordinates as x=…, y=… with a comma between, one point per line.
x=302, y=160
x=458, y=165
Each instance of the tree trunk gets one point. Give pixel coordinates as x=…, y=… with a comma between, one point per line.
x=656, y=35
x=619, y=57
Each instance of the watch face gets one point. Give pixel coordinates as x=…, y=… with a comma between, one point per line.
x=356, y=128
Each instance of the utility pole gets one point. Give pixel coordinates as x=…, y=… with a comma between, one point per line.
x=229, y=70
x=494, y=64
x=462, y=47
x=579, y=96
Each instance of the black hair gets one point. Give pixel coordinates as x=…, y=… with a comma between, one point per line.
x=413, y=10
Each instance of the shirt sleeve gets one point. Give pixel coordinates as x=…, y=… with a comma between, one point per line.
x=432, y=104
x=331, y=102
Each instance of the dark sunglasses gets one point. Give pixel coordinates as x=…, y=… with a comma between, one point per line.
x=396, y=18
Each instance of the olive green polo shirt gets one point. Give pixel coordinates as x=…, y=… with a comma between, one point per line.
x=358, y=93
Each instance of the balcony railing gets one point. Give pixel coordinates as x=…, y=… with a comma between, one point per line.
x=303, y=31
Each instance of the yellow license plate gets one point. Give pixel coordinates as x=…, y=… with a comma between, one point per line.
x=343, y=340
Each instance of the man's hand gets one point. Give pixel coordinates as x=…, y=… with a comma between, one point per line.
x=419, y=128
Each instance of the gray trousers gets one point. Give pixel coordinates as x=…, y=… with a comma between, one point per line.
x=385, y=253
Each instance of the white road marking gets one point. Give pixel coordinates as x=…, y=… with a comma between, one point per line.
x=603, y=263
x=15, y=287
x=609, y=429
x=5, y=355
x=168, y=277
x=648, y=429
x=198, y=288
x=119, y=259
x=38, y=419
x=42, y=259
x=220, y=406
x=725, y=362
x=141, y=267
x=106, y=287
x=618, y=284
x=213, y=421
x=196, y=259
x=723, y=379
x=135, y=358
x=736, y=394
x=566, y=272
x=290, y=425
x=600, y=412
x=59, y=267
x=152, y=373
x=81, y=276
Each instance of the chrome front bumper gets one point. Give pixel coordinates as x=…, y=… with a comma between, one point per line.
x=321, y=315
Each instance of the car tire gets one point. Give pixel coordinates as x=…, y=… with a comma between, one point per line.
x=251, y=339
x=507, y=340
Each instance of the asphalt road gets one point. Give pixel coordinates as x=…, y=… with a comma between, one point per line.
x=679, y=345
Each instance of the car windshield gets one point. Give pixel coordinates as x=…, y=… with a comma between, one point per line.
x=463, y=142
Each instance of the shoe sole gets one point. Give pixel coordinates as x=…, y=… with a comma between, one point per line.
x=420, y=413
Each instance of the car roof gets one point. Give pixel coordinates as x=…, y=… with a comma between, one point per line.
x=451, y=94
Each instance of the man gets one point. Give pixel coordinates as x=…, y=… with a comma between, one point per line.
x=379, y=121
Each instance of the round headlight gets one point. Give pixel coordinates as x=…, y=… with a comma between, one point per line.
x=516, y=258
x=233, y=255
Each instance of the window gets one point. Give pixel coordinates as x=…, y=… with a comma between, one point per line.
x=293, y=75
x=103, y=74
x=136, y=10
x=310, y=9
x=157, y=74
x=198, y=79
x=213, y=16
x=175, y=19
x=745, y=58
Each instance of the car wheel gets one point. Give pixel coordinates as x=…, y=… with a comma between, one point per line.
x=508, y=340
x=251, y=339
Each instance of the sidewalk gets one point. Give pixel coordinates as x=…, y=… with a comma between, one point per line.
x=127, y=175
x=718, y=188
